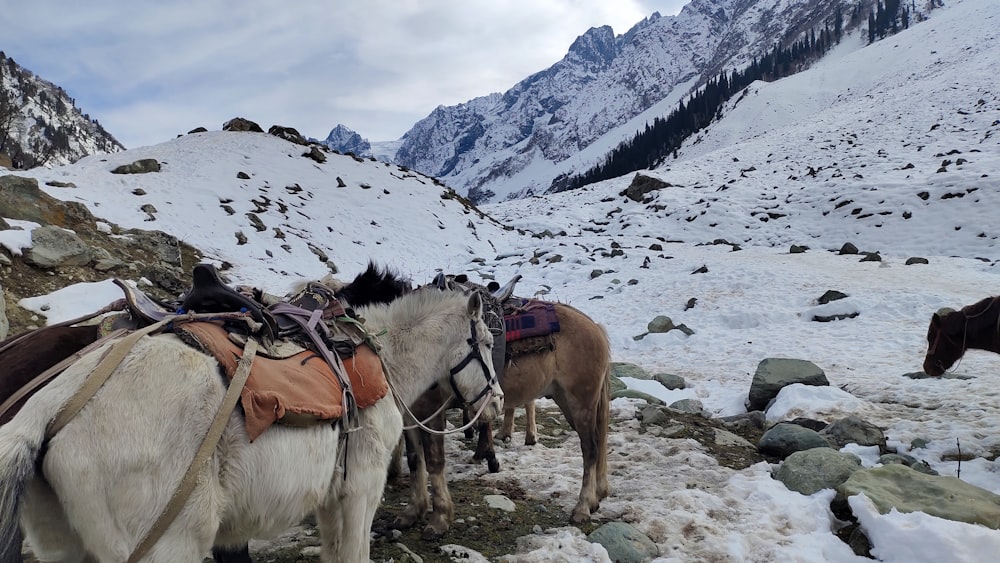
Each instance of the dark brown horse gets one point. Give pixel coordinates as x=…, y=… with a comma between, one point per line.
x=576, y=374
x=952, y=332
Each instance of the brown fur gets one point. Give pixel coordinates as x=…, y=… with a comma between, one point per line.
x=26, y=356
x=951, y=333
x=576, y=375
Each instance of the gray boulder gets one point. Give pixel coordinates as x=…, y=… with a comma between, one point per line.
x=813, y=470
x=897, y=486
x=773, y=374
x=625, y=544
x=853, y=430
x=52, y=247
x=784, y=439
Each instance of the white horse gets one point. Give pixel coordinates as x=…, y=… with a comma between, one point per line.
x=94, y=489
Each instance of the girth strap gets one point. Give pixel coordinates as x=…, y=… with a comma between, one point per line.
x=203, y=454
x=111, y=360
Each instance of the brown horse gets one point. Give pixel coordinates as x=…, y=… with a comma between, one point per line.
x=952, y=332
x=576, y=374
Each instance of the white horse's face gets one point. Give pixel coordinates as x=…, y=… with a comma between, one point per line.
x=473, y=376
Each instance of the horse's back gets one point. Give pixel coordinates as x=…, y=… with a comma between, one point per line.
x=578, y=360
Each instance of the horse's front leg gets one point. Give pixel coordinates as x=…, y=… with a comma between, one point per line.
x=443, y=510
x=508, y=425
x=485, y=449
x=420, y=500
x=530, y=429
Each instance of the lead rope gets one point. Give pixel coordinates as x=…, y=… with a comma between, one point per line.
x=203, y=454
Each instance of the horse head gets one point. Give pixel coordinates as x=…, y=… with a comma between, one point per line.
x=945, y=341
x=488, y=400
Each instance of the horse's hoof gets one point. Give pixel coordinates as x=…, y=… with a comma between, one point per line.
x=580, y=515
x=431, y=533
x=502, y=437
x=530, y=440
x=403, y=522
x=493, y=464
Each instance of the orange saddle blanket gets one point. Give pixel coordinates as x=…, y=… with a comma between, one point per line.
x=299, y=390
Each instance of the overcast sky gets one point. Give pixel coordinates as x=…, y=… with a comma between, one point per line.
x=149, y=70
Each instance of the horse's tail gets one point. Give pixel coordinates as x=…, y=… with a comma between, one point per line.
x=20, y=447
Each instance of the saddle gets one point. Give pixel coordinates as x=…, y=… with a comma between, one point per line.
x=530, y=324
x=311, y=326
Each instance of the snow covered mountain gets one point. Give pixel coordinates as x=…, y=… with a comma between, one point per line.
x=566, y=118
x=41, y=125
x=346, y=140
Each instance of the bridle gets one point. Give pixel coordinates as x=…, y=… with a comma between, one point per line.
x=942, y=334
x=474, y=355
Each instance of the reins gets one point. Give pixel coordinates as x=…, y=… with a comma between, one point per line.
x=965, y=331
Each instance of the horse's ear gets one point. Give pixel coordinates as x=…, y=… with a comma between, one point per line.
x=493, y=286
x=462, y=278
x=938, y=317
x=440, y=281
x=475, y=304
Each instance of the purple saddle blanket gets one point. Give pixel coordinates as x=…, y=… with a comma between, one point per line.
x=526, y=318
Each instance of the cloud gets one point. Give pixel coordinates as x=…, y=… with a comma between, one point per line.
x=148, y=70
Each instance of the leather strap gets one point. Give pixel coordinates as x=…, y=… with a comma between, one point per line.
x=203, y=454
x=112, y=359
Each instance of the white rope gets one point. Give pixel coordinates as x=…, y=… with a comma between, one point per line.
x=405, y=409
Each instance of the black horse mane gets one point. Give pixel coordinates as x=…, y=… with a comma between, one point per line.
x=377, y=284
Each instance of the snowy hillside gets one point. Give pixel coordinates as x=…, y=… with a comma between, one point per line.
x=870, y=126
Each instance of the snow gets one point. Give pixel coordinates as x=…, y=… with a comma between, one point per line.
x=752, y=303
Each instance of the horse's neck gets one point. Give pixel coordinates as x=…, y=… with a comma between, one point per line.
x=982, y=331
x=413, y=357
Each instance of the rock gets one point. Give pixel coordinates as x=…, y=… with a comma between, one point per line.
x=813, y=470
x=625, y=369
x=775, y=373
x=500, y=502
x=915, y=260
x=831, y=295
x=784, y=439
x=625, y=544
x=289, y=134
x=660, y=323
x=691, y=406
x=642, y=185
x=670, y=381
x=4, y=325
x=241, y=124
x=907, y=460
x=52, y=247
x=633, y=394
x=853, y=430
x=141, y=166
x=906, y=490
x=848, y=248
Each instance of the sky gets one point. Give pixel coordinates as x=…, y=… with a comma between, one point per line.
x=148, y=70
x=841, y=117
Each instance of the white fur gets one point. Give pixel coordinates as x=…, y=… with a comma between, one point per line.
x=107, y=475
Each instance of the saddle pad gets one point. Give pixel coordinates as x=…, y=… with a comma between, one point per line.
x=525, y=318
x=300, y=390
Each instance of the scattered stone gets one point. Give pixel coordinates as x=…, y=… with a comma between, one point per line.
x=241, y=124
x=848, y=248
x=625, y=544
x=853, y=430
x=784, y=439
x=831, y=295
x=915, y=260
x=500, y=502
x=775, y=373
x=141, y=166
x=811, y=471
x=906, y=490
